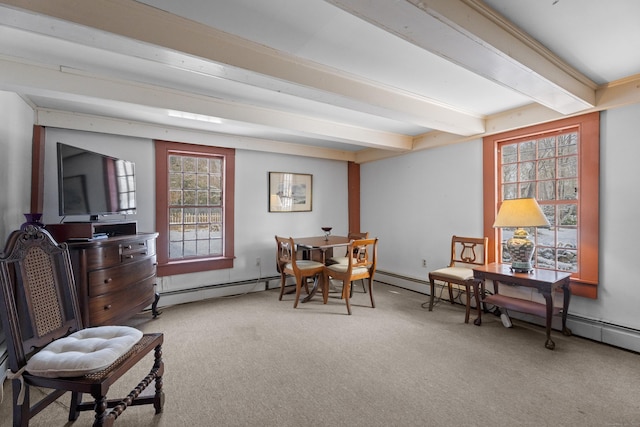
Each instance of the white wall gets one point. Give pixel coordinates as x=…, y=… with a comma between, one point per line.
x=16, y=133
x=436, y=193
x=255, y=227
x=414, y=210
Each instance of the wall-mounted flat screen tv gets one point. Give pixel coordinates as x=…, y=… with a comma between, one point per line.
x=94, y=184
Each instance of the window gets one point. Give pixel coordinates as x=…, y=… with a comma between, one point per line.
x=558, y=164
x=194, y=207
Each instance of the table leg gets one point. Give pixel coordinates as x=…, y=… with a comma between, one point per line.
x=565, y=307
x=476, y=288
x=549, y=299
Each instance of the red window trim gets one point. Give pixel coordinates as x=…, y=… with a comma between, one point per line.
x=585, y=283
x=165, y=266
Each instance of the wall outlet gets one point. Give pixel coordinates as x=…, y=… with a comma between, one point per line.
x=258, y=261
x=424, y=263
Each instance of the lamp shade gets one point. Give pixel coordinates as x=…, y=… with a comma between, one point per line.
x=520, y=213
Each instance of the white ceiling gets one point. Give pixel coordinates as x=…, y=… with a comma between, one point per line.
x=345, y=79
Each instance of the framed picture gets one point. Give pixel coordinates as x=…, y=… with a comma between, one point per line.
x=289, y=192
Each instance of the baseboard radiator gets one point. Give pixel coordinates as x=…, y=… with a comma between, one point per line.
x=592, y=329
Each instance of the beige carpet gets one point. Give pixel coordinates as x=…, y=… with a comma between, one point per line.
x=252, y=360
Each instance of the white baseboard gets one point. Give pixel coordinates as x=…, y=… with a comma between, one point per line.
x=618, y=336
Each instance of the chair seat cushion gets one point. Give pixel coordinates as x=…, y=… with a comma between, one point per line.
x=304, y=264
x=342, y=268
x=338, y=260
x=454, y=273
x=83, y=352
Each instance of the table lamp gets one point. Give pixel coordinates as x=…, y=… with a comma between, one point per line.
x=519, y=213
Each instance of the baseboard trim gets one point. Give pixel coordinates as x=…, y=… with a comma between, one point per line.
x=595, y=330
x=181, y=296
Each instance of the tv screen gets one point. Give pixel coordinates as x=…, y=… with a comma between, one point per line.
x=94, y=184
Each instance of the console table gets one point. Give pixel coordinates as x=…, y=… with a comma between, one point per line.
x=545, y=281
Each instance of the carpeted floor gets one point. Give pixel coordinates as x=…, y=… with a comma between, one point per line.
x=252, y=360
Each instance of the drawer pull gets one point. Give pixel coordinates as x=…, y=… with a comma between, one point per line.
x=128, y=256
x=127, y=247
x=107, y=307
x=109, y=280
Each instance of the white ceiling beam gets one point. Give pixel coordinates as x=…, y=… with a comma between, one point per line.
x=113, y=126
x=473, y=36
x=72, y=84
x=242, y=60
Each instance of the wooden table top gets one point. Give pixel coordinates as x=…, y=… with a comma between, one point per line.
x=322, y=241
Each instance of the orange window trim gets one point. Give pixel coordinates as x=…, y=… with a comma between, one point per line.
x=168, y=267
x=585, y=282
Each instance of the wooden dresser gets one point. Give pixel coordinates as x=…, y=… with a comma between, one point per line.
x=115, y=277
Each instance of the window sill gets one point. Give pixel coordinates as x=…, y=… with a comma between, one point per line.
x=193, y=266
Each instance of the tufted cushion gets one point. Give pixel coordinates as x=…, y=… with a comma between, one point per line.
x=455, y=273
x=85, y=351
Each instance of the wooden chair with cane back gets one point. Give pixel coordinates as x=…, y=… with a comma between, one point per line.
x=48, y=346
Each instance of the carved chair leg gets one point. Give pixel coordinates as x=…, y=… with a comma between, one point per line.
x=100, y=410
x=298, y=289
x=158, y=401
x=373, y=304
x=282, y=285
x=76, y=400
x=432, y=293
x=450, y=292
x=21, y=413
x=346, y=290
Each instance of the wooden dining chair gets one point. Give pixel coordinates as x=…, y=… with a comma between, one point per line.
x=345, y=259
x=300, y=269
x=362, y=257
x=466, y=252
x=47, y=345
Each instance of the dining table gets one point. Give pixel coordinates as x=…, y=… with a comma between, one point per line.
x=319, y=248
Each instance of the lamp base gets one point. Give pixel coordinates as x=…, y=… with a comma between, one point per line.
x=521, y=249
x=521, y=267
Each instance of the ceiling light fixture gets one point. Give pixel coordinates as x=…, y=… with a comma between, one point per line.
x=194, y=116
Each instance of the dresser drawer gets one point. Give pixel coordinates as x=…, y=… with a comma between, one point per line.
x=108, y=309
x=102, y=256
x=132, y=251
x=122, y=277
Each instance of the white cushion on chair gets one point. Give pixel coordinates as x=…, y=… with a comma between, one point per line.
x=342, y=268
x=83, y=352
x=305, y=264
x=457, y=273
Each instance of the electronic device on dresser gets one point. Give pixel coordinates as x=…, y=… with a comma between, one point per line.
x=94, y=184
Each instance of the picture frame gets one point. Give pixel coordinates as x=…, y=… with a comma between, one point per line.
x=290, y=192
